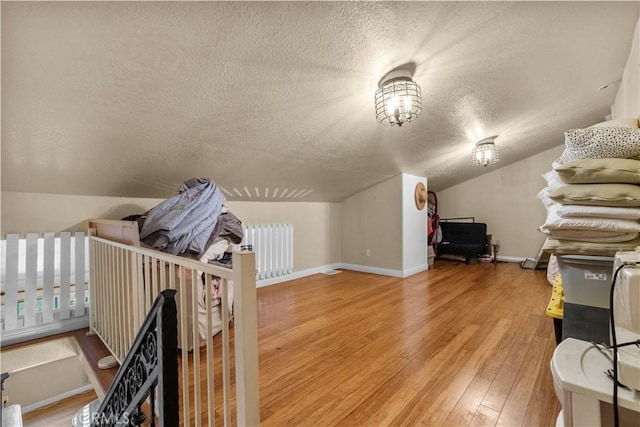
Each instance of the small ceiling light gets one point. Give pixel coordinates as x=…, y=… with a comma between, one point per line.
x=486, y=152
x=398, y=99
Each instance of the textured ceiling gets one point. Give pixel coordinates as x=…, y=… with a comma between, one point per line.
x=133, y=98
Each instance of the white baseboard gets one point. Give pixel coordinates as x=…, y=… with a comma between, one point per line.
x=297, y=275
x=361, y=268
x=415, y=270
x=374, y=270
x=510, y=258
x=57, y=398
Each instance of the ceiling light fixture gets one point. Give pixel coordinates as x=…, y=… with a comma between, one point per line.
x=486, y=152
x=398, y=99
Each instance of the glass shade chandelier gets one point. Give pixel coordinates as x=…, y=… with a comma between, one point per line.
x=485, y=152
x=398, y=98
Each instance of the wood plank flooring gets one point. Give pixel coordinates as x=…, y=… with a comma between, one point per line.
x=459, y=345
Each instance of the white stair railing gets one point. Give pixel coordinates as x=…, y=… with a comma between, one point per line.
x=125, y=280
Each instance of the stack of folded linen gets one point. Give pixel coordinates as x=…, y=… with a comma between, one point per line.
x=593, y=192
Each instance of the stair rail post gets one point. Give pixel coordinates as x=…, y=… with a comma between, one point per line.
x=245, y=326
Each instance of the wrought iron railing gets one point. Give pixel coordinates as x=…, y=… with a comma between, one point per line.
x=152, y=362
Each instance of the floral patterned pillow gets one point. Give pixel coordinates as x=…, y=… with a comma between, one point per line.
x=601, y=143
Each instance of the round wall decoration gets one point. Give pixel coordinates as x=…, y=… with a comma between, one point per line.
x=420, y=196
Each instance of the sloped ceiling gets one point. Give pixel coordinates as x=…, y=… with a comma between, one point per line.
x=133, y=98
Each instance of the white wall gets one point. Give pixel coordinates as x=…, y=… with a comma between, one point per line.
x=506, y=201
x=414, y=227
x=627, y=102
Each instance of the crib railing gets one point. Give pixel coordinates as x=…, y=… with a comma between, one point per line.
x=125, y=280
x=43, y=285
x=273, y=245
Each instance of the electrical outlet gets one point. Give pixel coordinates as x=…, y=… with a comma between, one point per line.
x=5, y=400
x=367, y=252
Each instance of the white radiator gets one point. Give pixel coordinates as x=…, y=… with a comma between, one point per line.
x=273, y=246
x=43, y=284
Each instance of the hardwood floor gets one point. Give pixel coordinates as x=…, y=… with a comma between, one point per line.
x=459, y=345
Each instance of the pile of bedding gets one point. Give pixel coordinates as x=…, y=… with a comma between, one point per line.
x=592, y=195
x=196, y=223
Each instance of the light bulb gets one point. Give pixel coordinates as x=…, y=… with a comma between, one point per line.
x=391, y=109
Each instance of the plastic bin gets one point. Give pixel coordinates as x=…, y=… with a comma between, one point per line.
x=586, y=280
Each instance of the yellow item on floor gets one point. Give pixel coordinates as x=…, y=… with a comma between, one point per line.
x=556, y=304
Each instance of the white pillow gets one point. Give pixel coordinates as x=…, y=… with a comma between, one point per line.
x=553, y=180
x=556, y=222
x=590, y=236
x=587, y=211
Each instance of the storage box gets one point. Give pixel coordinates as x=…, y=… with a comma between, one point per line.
x=586, y=280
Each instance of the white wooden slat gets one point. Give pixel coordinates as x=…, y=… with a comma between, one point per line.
x=65, y=274
x=79, y=273
x=281, y=249
x=273, y=246
x=30, y=279
x=121, y=299
x=112, y=316
x=184, y=345
x=266, y=250
x=257, y=249
x=11, y=290
x=270, y=254
x=211, y=403
x=148, y=301
x=129, y=303
x=226, y=354
x=273, y=250
x=252, y=242
x=92, y=280
x=139, y=288
x=48, y=271
x=108, y=295
x=195, y=285
x=262, y=244
x=135, y=261
x=289, y=256
x=285, y=249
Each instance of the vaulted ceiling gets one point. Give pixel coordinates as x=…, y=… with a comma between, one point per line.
x=132, y=98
